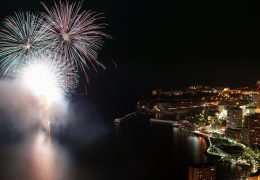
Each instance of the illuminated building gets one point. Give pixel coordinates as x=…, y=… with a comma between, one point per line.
x=222, y=112
x=234, y=117
x=251, y=130
x=249, y=111
x=169, y=93
x=234, y=133
x=154, y=93
x=245, y=132
x=202, y=171
x=257, y=100
x=234, y=123
x=221, y=107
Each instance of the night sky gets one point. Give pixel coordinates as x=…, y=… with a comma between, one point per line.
x=158, y=44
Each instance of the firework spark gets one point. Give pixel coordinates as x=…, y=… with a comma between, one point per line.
x=22, y=36
x=74, y=34
x=48, y=78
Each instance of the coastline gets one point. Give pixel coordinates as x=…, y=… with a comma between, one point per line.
x=208, y=150
x=211, y=149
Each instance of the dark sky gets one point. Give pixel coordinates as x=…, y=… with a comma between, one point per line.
x=169, y=44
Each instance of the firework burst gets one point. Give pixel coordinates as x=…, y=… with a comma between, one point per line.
x=68, y=35
x=46, y=77
x=74, y=34
x=21, y=37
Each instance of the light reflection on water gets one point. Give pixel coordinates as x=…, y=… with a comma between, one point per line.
x=190, y=146
x=131, y=154
x=38, y=158
x=48, y=161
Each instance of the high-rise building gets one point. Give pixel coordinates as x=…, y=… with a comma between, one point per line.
x=202, y=172
x=251, y=130
x=234, y=117
x=254, y=129
x=245, y=132
x=256, y=101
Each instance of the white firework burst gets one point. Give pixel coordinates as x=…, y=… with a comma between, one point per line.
x=48, y=77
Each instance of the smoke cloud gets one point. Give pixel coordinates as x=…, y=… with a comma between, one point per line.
x=18, y=108
x=21, y=111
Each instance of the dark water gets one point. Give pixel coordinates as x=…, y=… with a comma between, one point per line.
x=135, y=150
